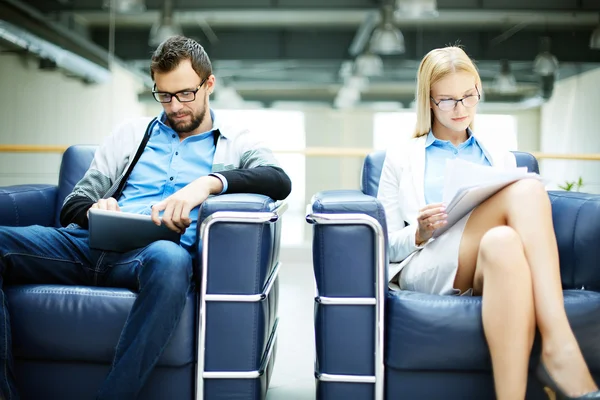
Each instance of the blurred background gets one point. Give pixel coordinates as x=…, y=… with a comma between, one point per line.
x=325, y=82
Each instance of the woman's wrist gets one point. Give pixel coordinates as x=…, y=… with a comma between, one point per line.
x=418, y=240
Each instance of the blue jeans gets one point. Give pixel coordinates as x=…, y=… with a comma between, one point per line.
x=161, y=273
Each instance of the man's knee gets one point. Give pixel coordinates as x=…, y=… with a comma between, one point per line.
x=169, y=264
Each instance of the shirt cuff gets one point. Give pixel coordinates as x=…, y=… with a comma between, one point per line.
x=223, y=181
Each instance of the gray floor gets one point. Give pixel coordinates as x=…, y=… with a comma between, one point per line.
x=293, y=377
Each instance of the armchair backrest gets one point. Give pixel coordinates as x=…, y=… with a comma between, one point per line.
x=373, y=164
x=75, y=162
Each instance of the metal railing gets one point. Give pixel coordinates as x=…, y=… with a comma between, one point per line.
x=308, y=152
x=378, y=301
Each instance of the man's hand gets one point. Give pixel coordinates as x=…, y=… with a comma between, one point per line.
x=177, y=207
x=431, y=217
x=109, y=204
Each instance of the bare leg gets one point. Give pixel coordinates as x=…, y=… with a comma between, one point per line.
x=525, y=207
x=503, y=275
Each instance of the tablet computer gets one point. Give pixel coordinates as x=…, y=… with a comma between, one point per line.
x=121, y=232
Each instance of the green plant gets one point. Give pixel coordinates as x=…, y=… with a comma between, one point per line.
x=568, y=186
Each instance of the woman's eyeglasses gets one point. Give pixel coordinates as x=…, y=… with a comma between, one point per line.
x=450, y=104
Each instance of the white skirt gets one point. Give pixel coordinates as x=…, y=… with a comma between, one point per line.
x=433, y=268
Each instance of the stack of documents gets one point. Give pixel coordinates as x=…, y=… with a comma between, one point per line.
x=468, y=184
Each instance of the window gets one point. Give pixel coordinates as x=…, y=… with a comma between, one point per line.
x=284, y=133
x=390, y=129
x=497, y=130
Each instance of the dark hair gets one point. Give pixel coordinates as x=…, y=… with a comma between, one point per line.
x=176, y=49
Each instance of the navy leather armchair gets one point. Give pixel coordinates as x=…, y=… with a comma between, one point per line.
x=375, y=343
x=224, y=347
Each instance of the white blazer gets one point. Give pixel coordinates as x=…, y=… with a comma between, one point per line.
x=402, y=194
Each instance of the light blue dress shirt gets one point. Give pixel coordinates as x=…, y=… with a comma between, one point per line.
x=166, y=166
x=437, y=152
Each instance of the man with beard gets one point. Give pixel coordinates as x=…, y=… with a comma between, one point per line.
x=164, y=167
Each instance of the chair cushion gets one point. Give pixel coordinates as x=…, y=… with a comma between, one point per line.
x=24, y=205
x=430, y=332
x=575, y=217
x=76, y=323
x=371, y=172
x=75, y=162
x=528, y=160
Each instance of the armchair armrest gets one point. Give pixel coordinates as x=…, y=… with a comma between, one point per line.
x=348, y=226
x=24, y=205
x=350, y=266
x=242, y=231
x=239, y=241
x=576, y=218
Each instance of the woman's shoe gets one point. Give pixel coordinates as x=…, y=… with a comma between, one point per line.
x=552, y=389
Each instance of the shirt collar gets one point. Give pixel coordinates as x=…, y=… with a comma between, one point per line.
x=217, y=126
x=432, y=139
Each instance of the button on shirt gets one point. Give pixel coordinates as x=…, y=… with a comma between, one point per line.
x=436, y=153
x=166, y=166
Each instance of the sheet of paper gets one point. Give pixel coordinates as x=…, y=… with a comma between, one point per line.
x=460, y=174
x=467, y=185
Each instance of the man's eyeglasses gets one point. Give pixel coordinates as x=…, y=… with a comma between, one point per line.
x=450, y=104
x=184, y=96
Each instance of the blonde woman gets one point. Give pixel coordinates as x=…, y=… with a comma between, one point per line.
x=504, y=250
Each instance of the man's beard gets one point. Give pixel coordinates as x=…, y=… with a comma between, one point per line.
x=184, y=126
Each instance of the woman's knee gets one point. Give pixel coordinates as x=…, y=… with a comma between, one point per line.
x=527, y=188
x=501, y=246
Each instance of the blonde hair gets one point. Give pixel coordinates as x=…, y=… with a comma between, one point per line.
x=435, y=66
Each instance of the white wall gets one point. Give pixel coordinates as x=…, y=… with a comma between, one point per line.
x=528, y=129
x=47, y=108
x=570, y=123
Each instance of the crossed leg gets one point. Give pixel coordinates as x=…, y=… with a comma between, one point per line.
x=508, y=254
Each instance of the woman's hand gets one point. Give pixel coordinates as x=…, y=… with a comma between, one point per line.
x=430, y=218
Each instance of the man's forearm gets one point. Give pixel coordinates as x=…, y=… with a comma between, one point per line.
x=268, y=181
x=75, y=211
x=214, y=184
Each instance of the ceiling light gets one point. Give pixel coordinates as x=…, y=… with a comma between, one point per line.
x=358, y=83
x=369, y=64
x=346, y=69
x=165, y=27
x=505, y=81
x=595, y=39
x=347, y=97
x=416, y=8
x=161, y=32
x=545, y=64
x=386, y=38
x=126, y=6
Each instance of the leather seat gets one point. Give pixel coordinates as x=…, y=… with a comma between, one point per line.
x=426, y=346
x=64, y=337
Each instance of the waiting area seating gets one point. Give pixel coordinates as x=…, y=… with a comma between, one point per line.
x=64, y=337
x=375, y=343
